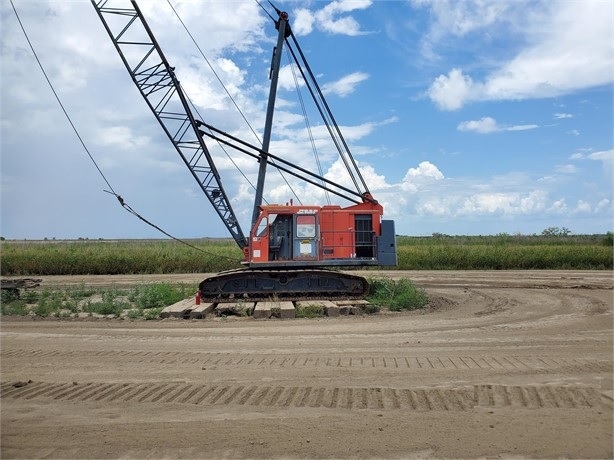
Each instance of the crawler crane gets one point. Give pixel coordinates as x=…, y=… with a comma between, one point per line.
x=291, y=251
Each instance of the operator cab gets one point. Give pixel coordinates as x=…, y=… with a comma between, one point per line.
x=286, y=236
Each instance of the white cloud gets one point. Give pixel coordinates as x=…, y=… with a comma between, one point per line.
x=425, y=173
x=566, y=169
x=302, y=23
x=559, y=116
x=331, y=18
x=603, y=205
x=502, y=203
x=583, y=207
x=607, y=156
x=607, y=160
x=289, y=78
x=461, y=17
x=560, y=57
x=451, y=91
x=520, y=127
x=487, y=125
x=575, y=132
x=558, y=207
x=483, y=125
x=345, y=85
x=121, y=137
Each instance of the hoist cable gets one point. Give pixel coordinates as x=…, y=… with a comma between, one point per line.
x=111, y=191
x=230, y=96
x=355, y=172
x=221, y=145
x=307, y=124
x=58, y=98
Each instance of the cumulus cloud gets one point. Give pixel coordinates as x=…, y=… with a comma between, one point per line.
x=487, y=125
x=560, y=57
x=331, y=18
x=425, y=173
x=302, y=23
x=449, y=92
x=558, y=207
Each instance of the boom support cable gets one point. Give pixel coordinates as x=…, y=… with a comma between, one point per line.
x=308, y=125
x=111, y=191
x=233, y=102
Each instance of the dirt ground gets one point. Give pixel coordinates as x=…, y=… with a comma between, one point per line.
x=501, y=365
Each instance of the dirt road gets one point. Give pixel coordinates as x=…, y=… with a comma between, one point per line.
x=503, y=364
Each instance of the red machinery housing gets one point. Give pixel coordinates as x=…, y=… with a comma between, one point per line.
x=321, y=236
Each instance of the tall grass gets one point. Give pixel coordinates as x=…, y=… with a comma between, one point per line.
x=503, y=257
x=441, y=252
x=111, y=258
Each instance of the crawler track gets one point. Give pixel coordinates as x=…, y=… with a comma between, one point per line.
x=283, y=285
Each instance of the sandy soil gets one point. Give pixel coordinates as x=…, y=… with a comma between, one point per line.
x=502, y=364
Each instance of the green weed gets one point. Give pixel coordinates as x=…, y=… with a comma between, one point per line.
x=9, y=295
x=29, y=296
x=134, y=313
x=396, y=295
x=370, y=308
x=152, y=313
x=310, y=311
x=16, y=307
x=159, y=295
x=111, y=304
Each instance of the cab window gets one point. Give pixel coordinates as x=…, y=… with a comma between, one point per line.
x=306, y=226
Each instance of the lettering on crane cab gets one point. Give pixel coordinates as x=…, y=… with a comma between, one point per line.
x=307, y=211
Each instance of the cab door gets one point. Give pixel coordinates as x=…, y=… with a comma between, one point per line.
x=305, y=237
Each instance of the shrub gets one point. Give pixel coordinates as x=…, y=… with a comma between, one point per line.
x=8, y=295
x=16, y=307
x=49, y=302
x=29, y=296
x=134, y=313
x=158, y=295
x=110, y=304
x=396, y=295
x=80, y=292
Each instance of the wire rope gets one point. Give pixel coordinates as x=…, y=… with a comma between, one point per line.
x=111, y=191
x=307, y=124
x=231, y=98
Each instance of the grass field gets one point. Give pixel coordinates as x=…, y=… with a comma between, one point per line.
x=440, y=252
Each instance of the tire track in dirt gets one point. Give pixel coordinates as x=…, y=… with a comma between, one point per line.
x=349, y=398
x=459, y=362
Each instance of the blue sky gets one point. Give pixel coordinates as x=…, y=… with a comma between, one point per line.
x=466, y=117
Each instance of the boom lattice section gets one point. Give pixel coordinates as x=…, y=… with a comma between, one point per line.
x=160, y=88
